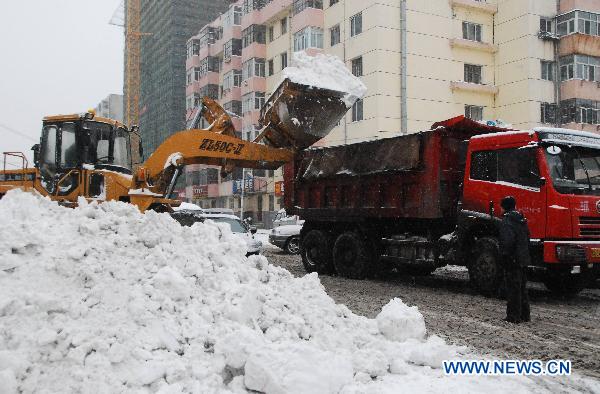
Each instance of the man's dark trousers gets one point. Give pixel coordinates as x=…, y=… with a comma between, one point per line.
x=517, y=305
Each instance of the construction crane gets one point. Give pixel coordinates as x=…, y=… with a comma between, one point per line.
x=128, y=16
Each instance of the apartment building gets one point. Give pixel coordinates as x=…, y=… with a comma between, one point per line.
x=521, y=62
x=111, y=107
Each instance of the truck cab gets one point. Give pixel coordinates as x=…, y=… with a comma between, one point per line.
x=554, y=174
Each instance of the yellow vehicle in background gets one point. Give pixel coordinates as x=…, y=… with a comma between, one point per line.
x=88, y=156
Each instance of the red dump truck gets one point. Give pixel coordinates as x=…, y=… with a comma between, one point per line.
x=421, y=201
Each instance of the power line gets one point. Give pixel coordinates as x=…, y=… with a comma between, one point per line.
x=17, y=132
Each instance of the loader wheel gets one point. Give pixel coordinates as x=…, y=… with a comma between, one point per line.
x=485, y=273
x=351, y=256
x=564, y=284
x=315, y=251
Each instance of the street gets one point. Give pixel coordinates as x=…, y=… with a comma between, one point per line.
x=560, y=329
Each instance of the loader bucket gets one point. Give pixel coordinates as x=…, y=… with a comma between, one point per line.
x=296, y=116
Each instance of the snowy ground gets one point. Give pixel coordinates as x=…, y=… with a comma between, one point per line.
x=567, y=329
x=103, y=299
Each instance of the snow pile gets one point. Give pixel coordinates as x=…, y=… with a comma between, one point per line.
x=104, y=299
x=326, y=72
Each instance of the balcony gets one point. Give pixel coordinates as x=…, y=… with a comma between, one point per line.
x=476, y=5
x=579, y=88
x=474, y=45
x=473, y=87
x=581, y=44
x=308, y=17
x=570, y=5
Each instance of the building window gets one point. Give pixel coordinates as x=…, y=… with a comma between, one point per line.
x=578, y=21
x=472, y=73
x=309, y=37
x=233, y=17
x=334, y=32
x=232, y=47
x=251, y=5
x=232, y=79
x=580, y=111
x=192, y=101
x=357, y=66
x=357, y=111
x=210, y=90
x=254, y=33
x=193, y=48
x=356, y=24
x=474, y=112
x=234, y=107
x=549, y=113
x=580, y=67
x=332, y=2
x=301, y=5
x=271, y=67
x=271, y=33
x=284, y=24
x=252, y=102
x=546, y=25
x=471, y=31
x=254, y=67
x=547, y=70
x=283, y=58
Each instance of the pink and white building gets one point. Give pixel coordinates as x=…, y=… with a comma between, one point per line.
x=237, y=59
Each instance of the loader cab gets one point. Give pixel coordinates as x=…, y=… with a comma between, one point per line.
x=70, y=144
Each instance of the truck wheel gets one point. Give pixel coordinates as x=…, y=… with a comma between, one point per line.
x=485, y=273
x=562, y=284
x=351, y=256
x=292, y=246
x=316, y=252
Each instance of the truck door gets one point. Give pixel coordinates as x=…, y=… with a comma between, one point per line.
x=495, y=174
x=519, y=176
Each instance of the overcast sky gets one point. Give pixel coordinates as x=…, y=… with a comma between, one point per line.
x=56, y=57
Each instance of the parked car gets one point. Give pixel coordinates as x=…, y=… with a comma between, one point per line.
x=286, y=237
x=282, y=219
x=238, y=227
x=224, y=211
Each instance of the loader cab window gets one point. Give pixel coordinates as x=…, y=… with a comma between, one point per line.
x=107, y=147
x=68, y=146
x=48, y=152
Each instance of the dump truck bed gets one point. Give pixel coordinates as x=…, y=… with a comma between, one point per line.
x=415, y=176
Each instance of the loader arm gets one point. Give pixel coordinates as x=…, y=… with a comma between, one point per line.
x=293, y=118
x=208, y=147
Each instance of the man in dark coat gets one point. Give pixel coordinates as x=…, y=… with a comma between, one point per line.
x=514, y=255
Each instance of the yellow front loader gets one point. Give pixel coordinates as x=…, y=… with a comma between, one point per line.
x=87, y=156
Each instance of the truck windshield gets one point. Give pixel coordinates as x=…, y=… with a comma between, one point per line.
x=574, y=170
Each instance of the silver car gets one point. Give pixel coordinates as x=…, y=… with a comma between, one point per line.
x=286, y=237
x=187, y=218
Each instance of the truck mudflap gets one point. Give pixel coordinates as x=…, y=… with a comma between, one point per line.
x=572, y=252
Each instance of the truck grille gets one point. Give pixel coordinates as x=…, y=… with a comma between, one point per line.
x=589, y=226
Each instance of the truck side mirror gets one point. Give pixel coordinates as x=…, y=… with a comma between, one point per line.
x=541, y=181
x=36, y=154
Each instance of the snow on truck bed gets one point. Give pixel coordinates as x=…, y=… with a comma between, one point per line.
x=104, y=299
x=326, y=72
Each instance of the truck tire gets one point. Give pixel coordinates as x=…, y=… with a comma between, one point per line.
x=315, y=251
x=485, y=272
x=292, y=246
x=351, y=256
x=564, y=284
